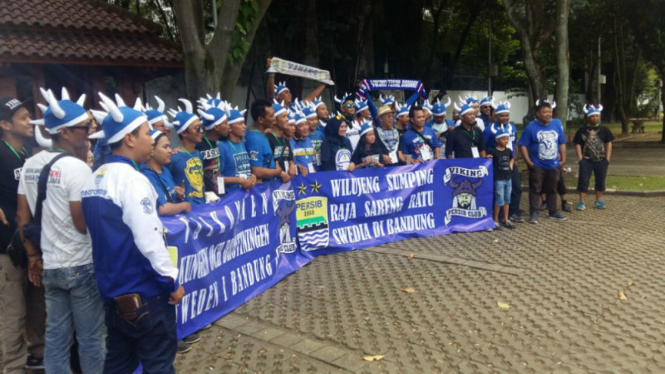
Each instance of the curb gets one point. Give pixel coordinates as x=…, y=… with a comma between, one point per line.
x=609, y=191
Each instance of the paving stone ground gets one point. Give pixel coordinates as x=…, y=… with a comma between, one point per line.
x=561, y=280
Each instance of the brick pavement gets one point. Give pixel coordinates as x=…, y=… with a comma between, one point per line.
x=562, y=281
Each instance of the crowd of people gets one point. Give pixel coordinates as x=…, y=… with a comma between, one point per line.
x=93, y=252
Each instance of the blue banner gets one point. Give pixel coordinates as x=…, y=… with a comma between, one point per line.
x=230, y=251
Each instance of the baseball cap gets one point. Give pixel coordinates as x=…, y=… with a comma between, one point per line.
x=9, y=106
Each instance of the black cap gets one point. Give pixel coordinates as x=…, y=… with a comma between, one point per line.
x=9, y=106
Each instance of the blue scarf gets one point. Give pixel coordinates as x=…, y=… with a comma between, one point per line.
x=392, y=84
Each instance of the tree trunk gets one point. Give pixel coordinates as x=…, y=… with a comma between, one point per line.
x=207, y=67
x=620, y=73
x=662, y=100
x=562, y=61
x=530, y=45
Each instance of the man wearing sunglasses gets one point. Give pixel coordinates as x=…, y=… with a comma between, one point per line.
x=348, y=110
x=63, y=260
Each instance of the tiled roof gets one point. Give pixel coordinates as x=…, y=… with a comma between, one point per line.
x=81, y=31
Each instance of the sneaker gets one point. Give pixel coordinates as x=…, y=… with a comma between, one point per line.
x=509, y=225
x=191, y=339
x=580, y=206
x=34, y=363
x=558, y=216
x=566, y=207
x=183, y=347
x=534, y=218
x=600, y=204
x=498, y=226
x=207, y=326
x=543, y=206
x=516, y=218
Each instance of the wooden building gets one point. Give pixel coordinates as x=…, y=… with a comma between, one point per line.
x=88, y=46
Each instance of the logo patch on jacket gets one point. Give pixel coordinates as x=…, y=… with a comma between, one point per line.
x=147, y=205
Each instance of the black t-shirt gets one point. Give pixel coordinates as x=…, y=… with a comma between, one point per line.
x=211, y=164
x=593, y=140
x=10, y=173
x=375, y=151
x=281, y=150
x=501, y=162
x=459, y=141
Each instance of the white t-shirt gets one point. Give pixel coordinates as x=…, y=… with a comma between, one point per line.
x=62, y=245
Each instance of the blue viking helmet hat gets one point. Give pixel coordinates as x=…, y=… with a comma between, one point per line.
x=503, y=107
x=488, y=100
x=292, y=117
x=469, y=100
x=387, y=100
x=300, y=117
x=592, y=110
x=281, y=87
x=360, y=106
x=466, y=108
x=428, y=107
x=365, y=128
x=501, y=132
x=553, y=104
x=278, y=108
x=118, y=121
x=439, y=108
x=182, y=119
x=402, y=110
x=346, y=97
x=212, y=115
x=156, y=115
x=60, y=114
x=235, y=115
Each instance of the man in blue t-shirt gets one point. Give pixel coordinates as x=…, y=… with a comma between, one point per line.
x=303, y=150
x=419, y=142
x=236, y=169
x=543, y=147
x=187, y=163
x=261, y=158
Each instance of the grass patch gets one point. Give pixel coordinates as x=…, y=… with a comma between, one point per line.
x=626, y=183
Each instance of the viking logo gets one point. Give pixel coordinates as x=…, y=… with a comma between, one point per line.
x=283, y=206
x=312, y=223
x=464, y=200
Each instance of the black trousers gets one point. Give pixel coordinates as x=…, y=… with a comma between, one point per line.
x=516, y=193
x=598, y=169
x=545, y=182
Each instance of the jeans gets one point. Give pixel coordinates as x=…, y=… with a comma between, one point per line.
x=149, y=338
x=588, y=167
x=543, y=181
x=502, y=190
x=73, y=304
x=516, y=191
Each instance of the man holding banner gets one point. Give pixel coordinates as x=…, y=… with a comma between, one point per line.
x=136, y=277
x=277, y=65
x=260, y=154
x=419, y=142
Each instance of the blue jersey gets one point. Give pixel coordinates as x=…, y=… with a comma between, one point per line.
x=235, y=162
x=303, y=153
x=163, y=184
x=317, y=138
x=258, y=147
x=188, y=167
x=128, y=248
x=490, y=141
x=543, y=143
x=414, y=144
